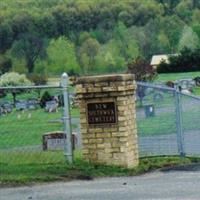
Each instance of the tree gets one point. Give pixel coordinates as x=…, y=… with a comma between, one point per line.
x=186, y=61
x=142, y=70
x=22, y=23
x=46, y=25
x=6, y=37
x=143, y=36
x=164, y=41
x=30, y=47
x=5, y=64
x=14, y=79
x=184, y=10
x=126, y=42
x=60, y=57
x=189, y=39
x=169, y=5
x=109, y=58
x=87, y=53
x=137, y=27
x=196, y=29
x=172, y=26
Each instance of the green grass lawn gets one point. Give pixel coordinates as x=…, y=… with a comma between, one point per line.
x=196, y=91
x=166, y=123
x=24, y=129
x=24, y=166
x=158, y=125
x=35, y=168
x=176, y=76
x=19, y=129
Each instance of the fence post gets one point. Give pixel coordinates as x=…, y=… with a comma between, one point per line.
x=68, y=152
x=179, y=123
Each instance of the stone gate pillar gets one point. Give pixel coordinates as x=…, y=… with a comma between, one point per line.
x=108, y=119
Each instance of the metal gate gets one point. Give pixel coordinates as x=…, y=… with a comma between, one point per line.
x=168, y=121
x=190, y=107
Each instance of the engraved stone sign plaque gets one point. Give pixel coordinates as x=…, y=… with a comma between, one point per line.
x=101, y=113
x=54, y=141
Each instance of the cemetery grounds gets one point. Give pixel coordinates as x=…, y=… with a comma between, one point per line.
x=22, y=159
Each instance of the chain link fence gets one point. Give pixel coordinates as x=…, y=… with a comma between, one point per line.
x=191, y=124
x=36, y=123
x=156, y=120
x=167, y=120
x=27, y=118
x=33, y=132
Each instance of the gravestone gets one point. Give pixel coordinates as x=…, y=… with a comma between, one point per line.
x=108, y=119
x=185, y=85
x=51, y=106
x=6, y=108
x=57, y=141
x=21, y=105
x=54, y=141
x=32, y=104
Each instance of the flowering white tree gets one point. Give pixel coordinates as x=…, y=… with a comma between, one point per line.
x=14, y=79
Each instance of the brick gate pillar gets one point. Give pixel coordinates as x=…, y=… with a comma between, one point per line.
x=108, y=119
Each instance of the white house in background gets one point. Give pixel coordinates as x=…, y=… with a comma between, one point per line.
x=157, y=59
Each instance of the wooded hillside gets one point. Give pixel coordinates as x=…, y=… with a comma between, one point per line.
x=93, y=36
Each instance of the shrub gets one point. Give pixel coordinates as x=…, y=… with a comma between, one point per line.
x=187, y=61
x=2, y=93
x=14, y=79
x=197, y=80
x=45, y=97
x=38, y=79
x=170, y=84
x=142, y=70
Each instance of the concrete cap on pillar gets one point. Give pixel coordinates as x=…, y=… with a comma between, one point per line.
x=104, y=78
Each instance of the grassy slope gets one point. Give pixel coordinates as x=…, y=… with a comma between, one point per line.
x=40, y=171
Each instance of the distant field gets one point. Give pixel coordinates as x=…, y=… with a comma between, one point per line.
x=175, y=76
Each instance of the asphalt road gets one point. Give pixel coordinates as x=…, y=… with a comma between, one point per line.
x=182, y=185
